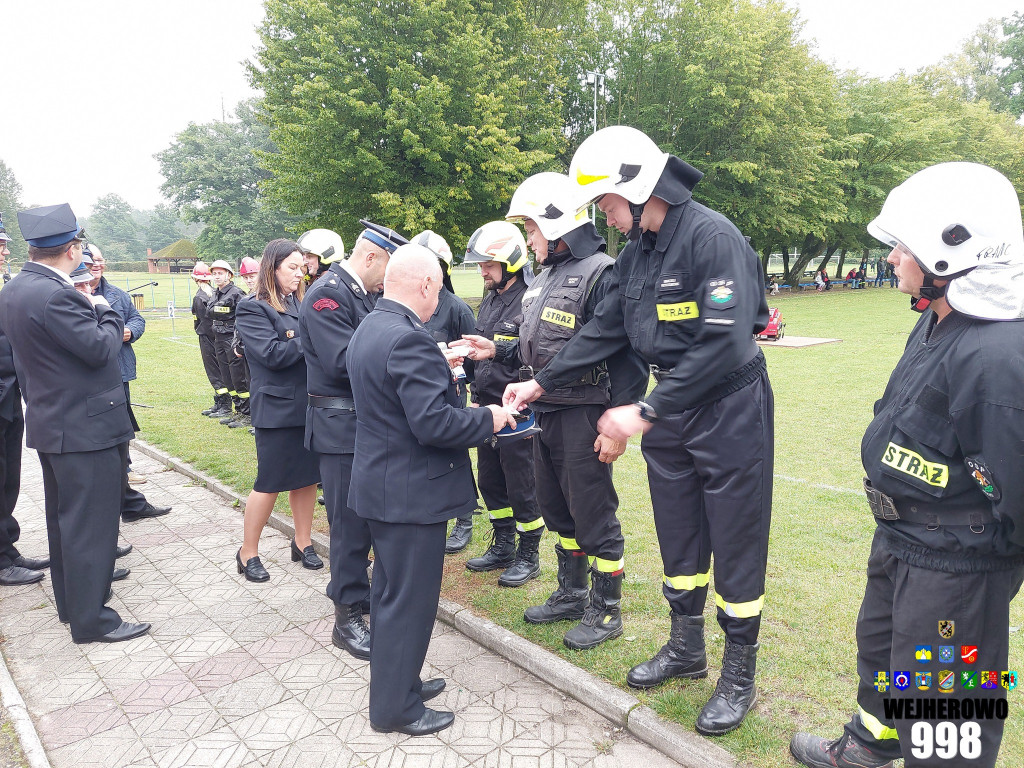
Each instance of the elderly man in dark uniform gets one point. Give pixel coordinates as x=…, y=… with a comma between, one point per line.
x=410, y=475
x=334, y=305
x=65, y=350
x=15, y=569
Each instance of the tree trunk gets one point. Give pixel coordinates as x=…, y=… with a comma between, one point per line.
x=785, y=266
x=811, y=249
x=839, y=266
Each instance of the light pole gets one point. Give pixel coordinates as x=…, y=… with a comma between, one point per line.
x=598, y=79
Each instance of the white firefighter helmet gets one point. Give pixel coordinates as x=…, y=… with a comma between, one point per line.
x=436, y=244
x=961, y=222
x=550, y=201
x=500, y=241
x=323, y=243
x=617, y=160
x=221, y=264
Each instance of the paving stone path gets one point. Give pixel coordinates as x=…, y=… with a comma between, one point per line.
x=239, y=674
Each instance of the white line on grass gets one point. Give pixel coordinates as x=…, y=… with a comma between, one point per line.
x=183, y=343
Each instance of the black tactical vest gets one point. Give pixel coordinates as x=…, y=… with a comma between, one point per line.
x=553, y=312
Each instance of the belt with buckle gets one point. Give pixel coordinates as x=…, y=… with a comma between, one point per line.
x=660, y=374
x=338, y=403
x=931, y=515
x=526, y=373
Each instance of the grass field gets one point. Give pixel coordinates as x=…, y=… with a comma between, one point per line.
x=820, y=534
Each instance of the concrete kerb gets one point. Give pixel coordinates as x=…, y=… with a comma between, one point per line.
x=31, y=746
x=685, y=747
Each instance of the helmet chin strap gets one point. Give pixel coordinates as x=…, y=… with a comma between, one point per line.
x=929, y=293
x=637, y=209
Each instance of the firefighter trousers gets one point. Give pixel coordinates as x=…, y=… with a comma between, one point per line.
x=506, y=481
x=232, y=371
x=574, y=489
x=710, y=472
x=208, y=352
x=903, y=605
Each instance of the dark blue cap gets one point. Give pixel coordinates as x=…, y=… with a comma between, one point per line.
x=82, y=273
x=386, y=238
x=49, y=226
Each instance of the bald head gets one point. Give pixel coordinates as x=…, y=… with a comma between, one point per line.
x=413, y=277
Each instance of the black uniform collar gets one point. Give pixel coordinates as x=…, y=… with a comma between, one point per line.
x=675, y=187
x=390, y=305
x=583, y=241
x=512, y=293
x=937, y=331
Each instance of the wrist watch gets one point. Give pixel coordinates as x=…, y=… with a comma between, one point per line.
x=647, y=413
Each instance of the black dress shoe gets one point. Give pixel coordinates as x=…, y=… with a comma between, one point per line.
x=122, y=551
x=253, y=568
x=145, y=513
x=432, y=721
x=120, y=574
x=16, y=576
x=310, y=559
x=431, y=688
x=127, y=631
x=32, y=563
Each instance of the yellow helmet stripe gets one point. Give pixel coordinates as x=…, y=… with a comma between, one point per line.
x=585, y=178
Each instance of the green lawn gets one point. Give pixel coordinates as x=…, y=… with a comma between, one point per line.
x=820, y=536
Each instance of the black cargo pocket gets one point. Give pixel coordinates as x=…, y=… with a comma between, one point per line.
x=919, y=450
x=285, y=393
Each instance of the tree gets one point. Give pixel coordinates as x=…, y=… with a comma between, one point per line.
x=416, y=113
x=973, y=73
x=1011, y=78
x=10, y=204
x=163, y=227
x=213, y=176
x=112, y=227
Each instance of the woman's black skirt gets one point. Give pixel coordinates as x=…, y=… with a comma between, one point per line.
x=282, y=461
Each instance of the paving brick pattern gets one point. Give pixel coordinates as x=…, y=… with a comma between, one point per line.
x=237, y=674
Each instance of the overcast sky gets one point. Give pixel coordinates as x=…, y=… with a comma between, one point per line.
x=91, y=90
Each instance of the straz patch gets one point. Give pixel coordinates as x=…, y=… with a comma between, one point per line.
x=321, y=304
x=913, y=464
x=721, y=294
x=222, y=310
x=572, y=281
x=684, y=310
x=502, y=337
x=558, y=317
x=983, y=477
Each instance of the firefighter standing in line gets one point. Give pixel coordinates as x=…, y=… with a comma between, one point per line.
x=450, y=321
x=318, y=263
x=232, y=369
x=505, y=472
x=572, y=461
x=328, y=316
x=203, y=325
x=944, y=480
x=249, y=269
x=687, y=294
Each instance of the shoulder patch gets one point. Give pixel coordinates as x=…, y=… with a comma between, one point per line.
x=322, y=304
x=720, y=293
x=983, y=477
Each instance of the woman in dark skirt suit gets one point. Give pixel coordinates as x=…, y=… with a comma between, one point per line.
x=268, y=324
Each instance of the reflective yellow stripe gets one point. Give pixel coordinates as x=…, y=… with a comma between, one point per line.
x=608, y=566
x=875, y=726
x=585, y=178
x=740, y=610
x=533, y=525
x=222, y=391
x=500, y=514
x=568, y=543
x=233, y=393
x=243, y=394
x=687, y=582
x=684, y=310
x=501, y=337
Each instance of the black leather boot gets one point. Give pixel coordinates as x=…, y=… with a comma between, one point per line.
x=350, y=631
x=500, y=554
x=212, y=408
x=569, y=601
x=526, y=565
x=734, y=694
x=682, y=656
x=603, y=617
x=223, y=407
x=844, y=752
x=459, y=538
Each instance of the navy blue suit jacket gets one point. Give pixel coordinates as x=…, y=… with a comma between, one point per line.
x=65, y=352
x=411, y=460
x=277, y=368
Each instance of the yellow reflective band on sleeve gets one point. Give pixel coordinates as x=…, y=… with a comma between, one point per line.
x=558, y=317
x=500, y=514
x=687, y=582
x=243, y=395
x=585, y=178
x=533, y=525
x=906, y=461
x=684, y=310
x=875, y=726
x=740, y=610
x=568, y=543
x=608, y=566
